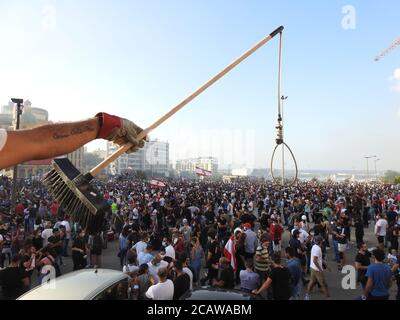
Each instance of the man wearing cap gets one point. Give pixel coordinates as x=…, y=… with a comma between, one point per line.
x=317, y=271
x=251, y=241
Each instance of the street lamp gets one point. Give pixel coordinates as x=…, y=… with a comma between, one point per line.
x=20, y=106
x=367, y=158
x=376, y=172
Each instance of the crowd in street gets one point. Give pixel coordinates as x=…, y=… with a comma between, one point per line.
x=227, y=235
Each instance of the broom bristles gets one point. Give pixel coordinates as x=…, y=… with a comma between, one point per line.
x=72, y=198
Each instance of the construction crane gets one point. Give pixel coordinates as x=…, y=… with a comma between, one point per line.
x=388, y=49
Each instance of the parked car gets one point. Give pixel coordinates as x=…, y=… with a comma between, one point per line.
x=210, y=293
x=86, y=284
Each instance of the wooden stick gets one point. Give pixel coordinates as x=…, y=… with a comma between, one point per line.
x=96, y=170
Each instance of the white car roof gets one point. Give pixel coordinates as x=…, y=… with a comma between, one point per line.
x=83, y=284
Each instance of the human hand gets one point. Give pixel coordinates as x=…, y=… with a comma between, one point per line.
x=120, y=131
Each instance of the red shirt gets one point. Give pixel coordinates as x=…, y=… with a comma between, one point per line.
x=19, y=209
x=54, y=208
x=275, y=232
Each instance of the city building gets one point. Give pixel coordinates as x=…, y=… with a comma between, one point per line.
x=32, y=116
x=153, y=158
x=77, y=158
x=189, y=165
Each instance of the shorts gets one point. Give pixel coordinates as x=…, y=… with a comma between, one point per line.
x=342, y=247
x=381, y=239
x=317, y=276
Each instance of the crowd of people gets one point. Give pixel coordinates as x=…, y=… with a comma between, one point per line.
x=266, y=240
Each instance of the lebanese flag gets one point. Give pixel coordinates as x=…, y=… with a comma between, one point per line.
x=229, y=252
x=157, y=183
x=203, y=172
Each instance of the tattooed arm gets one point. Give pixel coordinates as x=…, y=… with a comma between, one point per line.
x=47, y=141
x=59, y=139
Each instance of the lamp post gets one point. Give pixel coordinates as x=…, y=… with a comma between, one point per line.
x=376, y=172
x=20, y=107
x=283, y=98
x=367, y=158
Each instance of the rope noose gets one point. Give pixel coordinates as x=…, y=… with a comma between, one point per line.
x=279, y=140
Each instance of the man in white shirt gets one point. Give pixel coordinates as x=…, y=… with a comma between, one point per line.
x=46, y=234
x=164, y=289
x=317, y=269
x=142, y=244
x=169, y=249
x=67, y=226
x=189, y=272
x=381, y=227
x=155, y=265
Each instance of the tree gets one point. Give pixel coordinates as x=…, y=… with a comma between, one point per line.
x=391, y=176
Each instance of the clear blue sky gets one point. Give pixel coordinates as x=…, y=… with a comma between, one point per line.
x=139, y=58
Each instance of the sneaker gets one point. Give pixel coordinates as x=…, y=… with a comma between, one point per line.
x=307, y=297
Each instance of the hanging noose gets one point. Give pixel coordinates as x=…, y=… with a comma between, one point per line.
x=279, y=127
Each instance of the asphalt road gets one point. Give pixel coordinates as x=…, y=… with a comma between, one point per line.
x=333, y=277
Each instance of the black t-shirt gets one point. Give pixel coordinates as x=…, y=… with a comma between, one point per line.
x=280, y=283
x=181, y=285
x=364, y=260
x=11, y=282
x=228, y=277
x=340, y=231
x=296, y=245
x=210, y=216
x=213, y=249
x=54, y=240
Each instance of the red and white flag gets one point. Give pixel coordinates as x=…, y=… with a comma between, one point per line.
x=203, y=172
x=157, y=183
x=229, y=252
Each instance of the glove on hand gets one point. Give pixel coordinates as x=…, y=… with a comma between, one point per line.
x=119, y=130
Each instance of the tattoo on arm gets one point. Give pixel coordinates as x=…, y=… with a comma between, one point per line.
x=74, y=131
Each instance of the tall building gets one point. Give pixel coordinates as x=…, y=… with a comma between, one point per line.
x=153, y=158
x=31, y=117
x=189, y=165
x=77, y=158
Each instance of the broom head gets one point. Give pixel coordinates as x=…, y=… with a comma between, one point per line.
x=79, y=199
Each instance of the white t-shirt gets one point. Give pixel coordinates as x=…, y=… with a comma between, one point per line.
x=130, y=268
x=67, y=229
x=170, y=252
x=316, y=252
x=153, y=270
x=161, y=291
x=3, y=138
x=135, y=214
x=190, y=274
x=382, y=223
x=140, y=247
x=46, y=234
